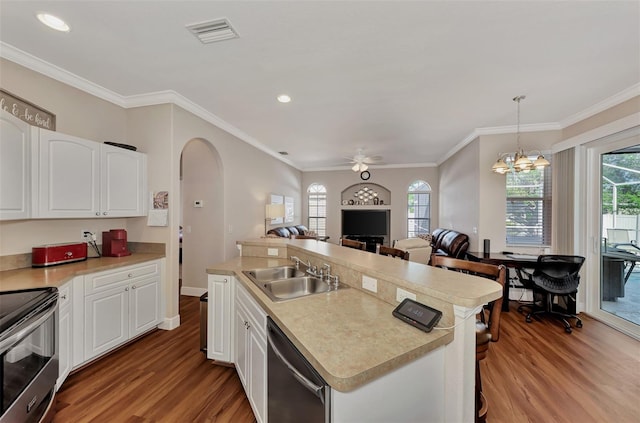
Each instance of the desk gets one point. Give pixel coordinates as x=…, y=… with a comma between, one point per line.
x=510, y=260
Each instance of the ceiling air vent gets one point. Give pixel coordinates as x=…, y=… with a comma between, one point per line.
x=212, y=31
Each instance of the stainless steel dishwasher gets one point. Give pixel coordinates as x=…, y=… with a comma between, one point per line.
x=296, y=392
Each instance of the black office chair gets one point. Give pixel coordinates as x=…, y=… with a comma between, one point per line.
x=553, y=275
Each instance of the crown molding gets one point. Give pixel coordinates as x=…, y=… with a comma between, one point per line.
x=36, y=64
x=607, y=103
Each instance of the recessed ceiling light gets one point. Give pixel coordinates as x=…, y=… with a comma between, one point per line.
x=283, y=98
x=53, y=22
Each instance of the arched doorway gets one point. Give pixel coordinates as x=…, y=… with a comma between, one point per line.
x=202, y=214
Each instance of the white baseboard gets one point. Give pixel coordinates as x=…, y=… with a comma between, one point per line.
x=192, y=291
x=170, y=323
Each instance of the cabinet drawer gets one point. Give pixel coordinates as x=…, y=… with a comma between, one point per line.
x=253, y=309
x=102, y=281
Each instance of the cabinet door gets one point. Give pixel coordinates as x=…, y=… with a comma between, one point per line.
x=258, y=373
x=106, y=321
x=65, y=334
x=240, y=328
x=219, y=318
x=123, y=182
x=68, y=180
x=15, y=168
x=144, y=306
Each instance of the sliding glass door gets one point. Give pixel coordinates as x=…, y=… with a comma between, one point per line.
x=614, y=192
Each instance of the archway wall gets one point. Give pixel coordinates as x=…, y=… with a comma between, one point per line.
x=249, y=177
x=202, y=217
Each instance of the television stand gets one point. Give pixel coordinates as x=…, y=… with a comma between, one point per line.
x=371, y=241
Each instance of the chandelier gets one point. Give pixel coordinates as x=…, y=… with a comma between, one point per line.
x=518, y=161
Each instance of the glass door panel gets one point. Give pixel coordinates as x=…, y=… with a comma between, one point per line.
x=620, y=227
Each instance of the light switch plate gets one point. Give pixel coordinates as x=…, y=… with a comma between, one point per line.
x=272, y=251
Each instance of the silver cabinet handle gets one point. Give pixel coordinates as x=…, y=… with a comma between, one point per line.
x=97, y=213
x=126, y=289
x=130, y=275
x=104, y=213
x=64, y=297
x=134, y=287
x=224, y=280
x=247, y=325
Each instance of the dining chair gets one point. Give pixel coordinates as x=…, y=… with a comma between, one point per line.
x=358, y=245
x=392, y=252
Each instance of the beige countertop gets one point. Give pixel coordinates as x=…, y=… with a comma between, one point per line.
x=60, y=274
x=349, y=337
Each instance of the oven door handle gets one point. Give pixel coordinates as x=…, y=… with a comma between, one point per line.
x=29, y=326
x=315, y=389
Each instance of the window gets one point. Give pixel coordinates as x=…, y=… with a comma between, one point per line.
x=418, y=209
x=317, y=209
x=529, y=207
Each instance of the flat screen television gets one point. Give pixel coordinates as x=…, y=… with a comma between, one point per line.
x=365, y=222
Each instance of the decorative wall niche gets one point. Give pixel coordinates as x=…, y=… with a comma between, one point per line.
x=366, y=195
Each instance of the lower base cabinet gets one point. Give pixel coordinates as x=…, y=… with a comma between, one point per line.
x=114, y=306
x=250, y=334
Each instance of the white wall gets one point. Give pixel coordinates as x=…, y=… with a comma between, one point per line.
x=395, y=180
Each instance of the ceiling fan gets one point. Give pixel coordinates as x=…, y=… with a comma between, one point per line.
x=361, y=162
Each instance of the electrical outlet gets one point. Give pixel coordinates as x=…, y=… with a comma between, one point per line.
x=85, y=235
x=401, y=294
x=272, y=251
x=369, y=283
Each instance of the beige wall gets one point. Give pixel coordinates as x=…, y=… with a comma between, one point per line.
x=620, y=111
x=395, y=180
x=162, y=131
x=471, y=196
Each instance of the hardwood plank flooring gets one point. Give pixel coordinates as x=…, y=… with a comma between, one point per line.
x=163, y=377
x=538, y=373
x=535, y=373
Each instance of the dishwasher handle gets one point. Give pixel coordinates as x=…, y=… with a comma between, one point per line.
x=315, y=389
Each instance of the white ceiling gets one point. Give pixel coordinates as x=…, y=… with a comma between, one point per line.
x=408, y=81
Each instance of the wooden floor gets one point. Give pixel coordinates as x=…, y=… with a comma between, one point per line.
x=535, y=373
x=163, y=377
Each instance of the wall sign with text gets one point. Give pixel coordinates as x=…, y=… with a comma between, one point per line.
x=27, y=111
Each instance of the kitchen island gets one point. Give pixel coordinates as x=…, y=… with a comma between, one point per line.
x=367, y=356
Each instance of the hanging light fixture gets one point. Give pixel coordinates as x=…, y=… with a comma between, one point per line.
x=518, y=161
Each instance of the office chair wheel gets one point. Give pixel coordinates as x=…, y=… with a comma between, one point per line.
x=568, y=330
x=528, y=319
x=578, y=323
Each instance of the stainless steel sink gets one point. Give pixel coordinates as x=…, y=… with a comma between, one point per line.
x=287, y=283
x=269, y=274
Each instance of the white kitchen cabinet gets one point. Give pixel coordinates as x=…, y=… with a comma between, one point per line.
x=65, y=333
x=79, y=178
x=251, y=350
x=120, y=305
x=219, y=346
x=123, y=182
x=15, y=167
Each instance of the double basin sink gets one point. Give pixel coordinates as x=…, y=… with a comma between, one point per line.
x=287, y=283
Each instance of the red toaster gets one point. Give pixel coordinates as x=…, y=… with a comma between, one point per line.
x=49, y=255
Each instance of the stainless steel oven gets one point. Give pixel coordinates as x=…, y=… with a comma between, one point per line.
x=29, y=354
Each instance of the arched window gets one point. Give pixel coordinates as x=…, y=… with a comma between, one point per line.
x=317, y=209
x=418, y=209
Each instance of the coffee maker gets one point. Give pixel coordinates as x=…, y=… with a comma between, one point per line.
x=114, y=243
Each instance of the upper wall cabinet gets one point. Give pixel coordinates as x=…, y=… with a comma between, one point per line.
x=15, y=168
x=78, y=178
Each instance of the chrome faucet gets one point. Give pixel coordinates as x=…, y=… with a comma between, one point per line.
x=326, y=276
x=296, y=260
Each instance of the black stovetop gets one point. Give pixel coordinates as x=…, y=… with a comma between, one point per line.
x=17, y=305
